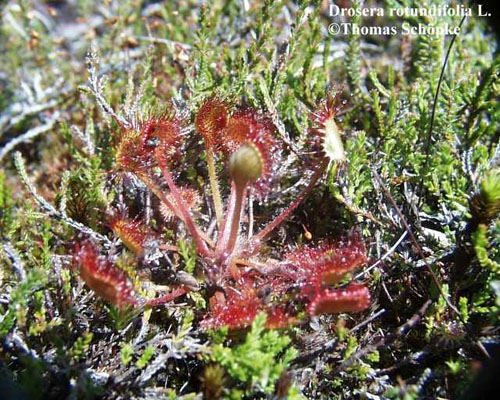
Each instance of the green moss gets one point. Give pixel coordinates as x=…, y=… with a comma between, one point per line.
x=260, y=360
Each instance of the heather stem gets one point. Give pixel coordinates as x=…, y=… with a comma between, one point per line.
x=320, y=168
x=229, y=236
x=214, y=185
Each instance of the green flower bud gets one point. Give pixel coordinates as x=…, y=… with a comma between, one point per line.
x=245, y=165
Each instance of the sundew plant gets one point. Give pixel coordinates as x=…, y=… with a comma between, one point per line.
x=248, y=199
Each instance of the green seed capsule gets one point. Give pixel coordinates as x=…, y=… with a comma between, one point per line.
x=245, y=165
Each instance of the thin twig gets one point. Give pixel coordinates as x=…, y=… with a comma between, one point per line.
x=434, y=107
x=29, y=135
x=351, y=207
x=329, y=346
x=416, y=244
x=9, y=120
x=17, y=263
x=367, y=321
x=50, y=209
x=96, y=86
x=85, y=138
x=414, y=320
x=389, y=252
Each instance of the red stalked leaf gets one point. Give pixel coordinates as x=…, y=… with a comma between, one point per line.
x=164, y=132
x=246, y=297
x=129, y=154
x=211, y=121
x=103, y=277
x=353, y=298
x=282, y=291
x=238, y=311
x=326, y=138
x=133, y=234
x=191, y=198
x=249, y=127
x=328, y=263
x=166, y=298
x=241, y=126
x=328, y=109
x=136, y=150
x=278, y=317
x=234, y=310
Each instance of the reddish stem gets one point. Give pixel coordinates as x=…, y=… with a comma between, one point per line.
x=164, y=199
x=186, y=217
x=157, y=191
x=231, y=226
x=169, y=247
x=166, y=298
x=259, y=237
